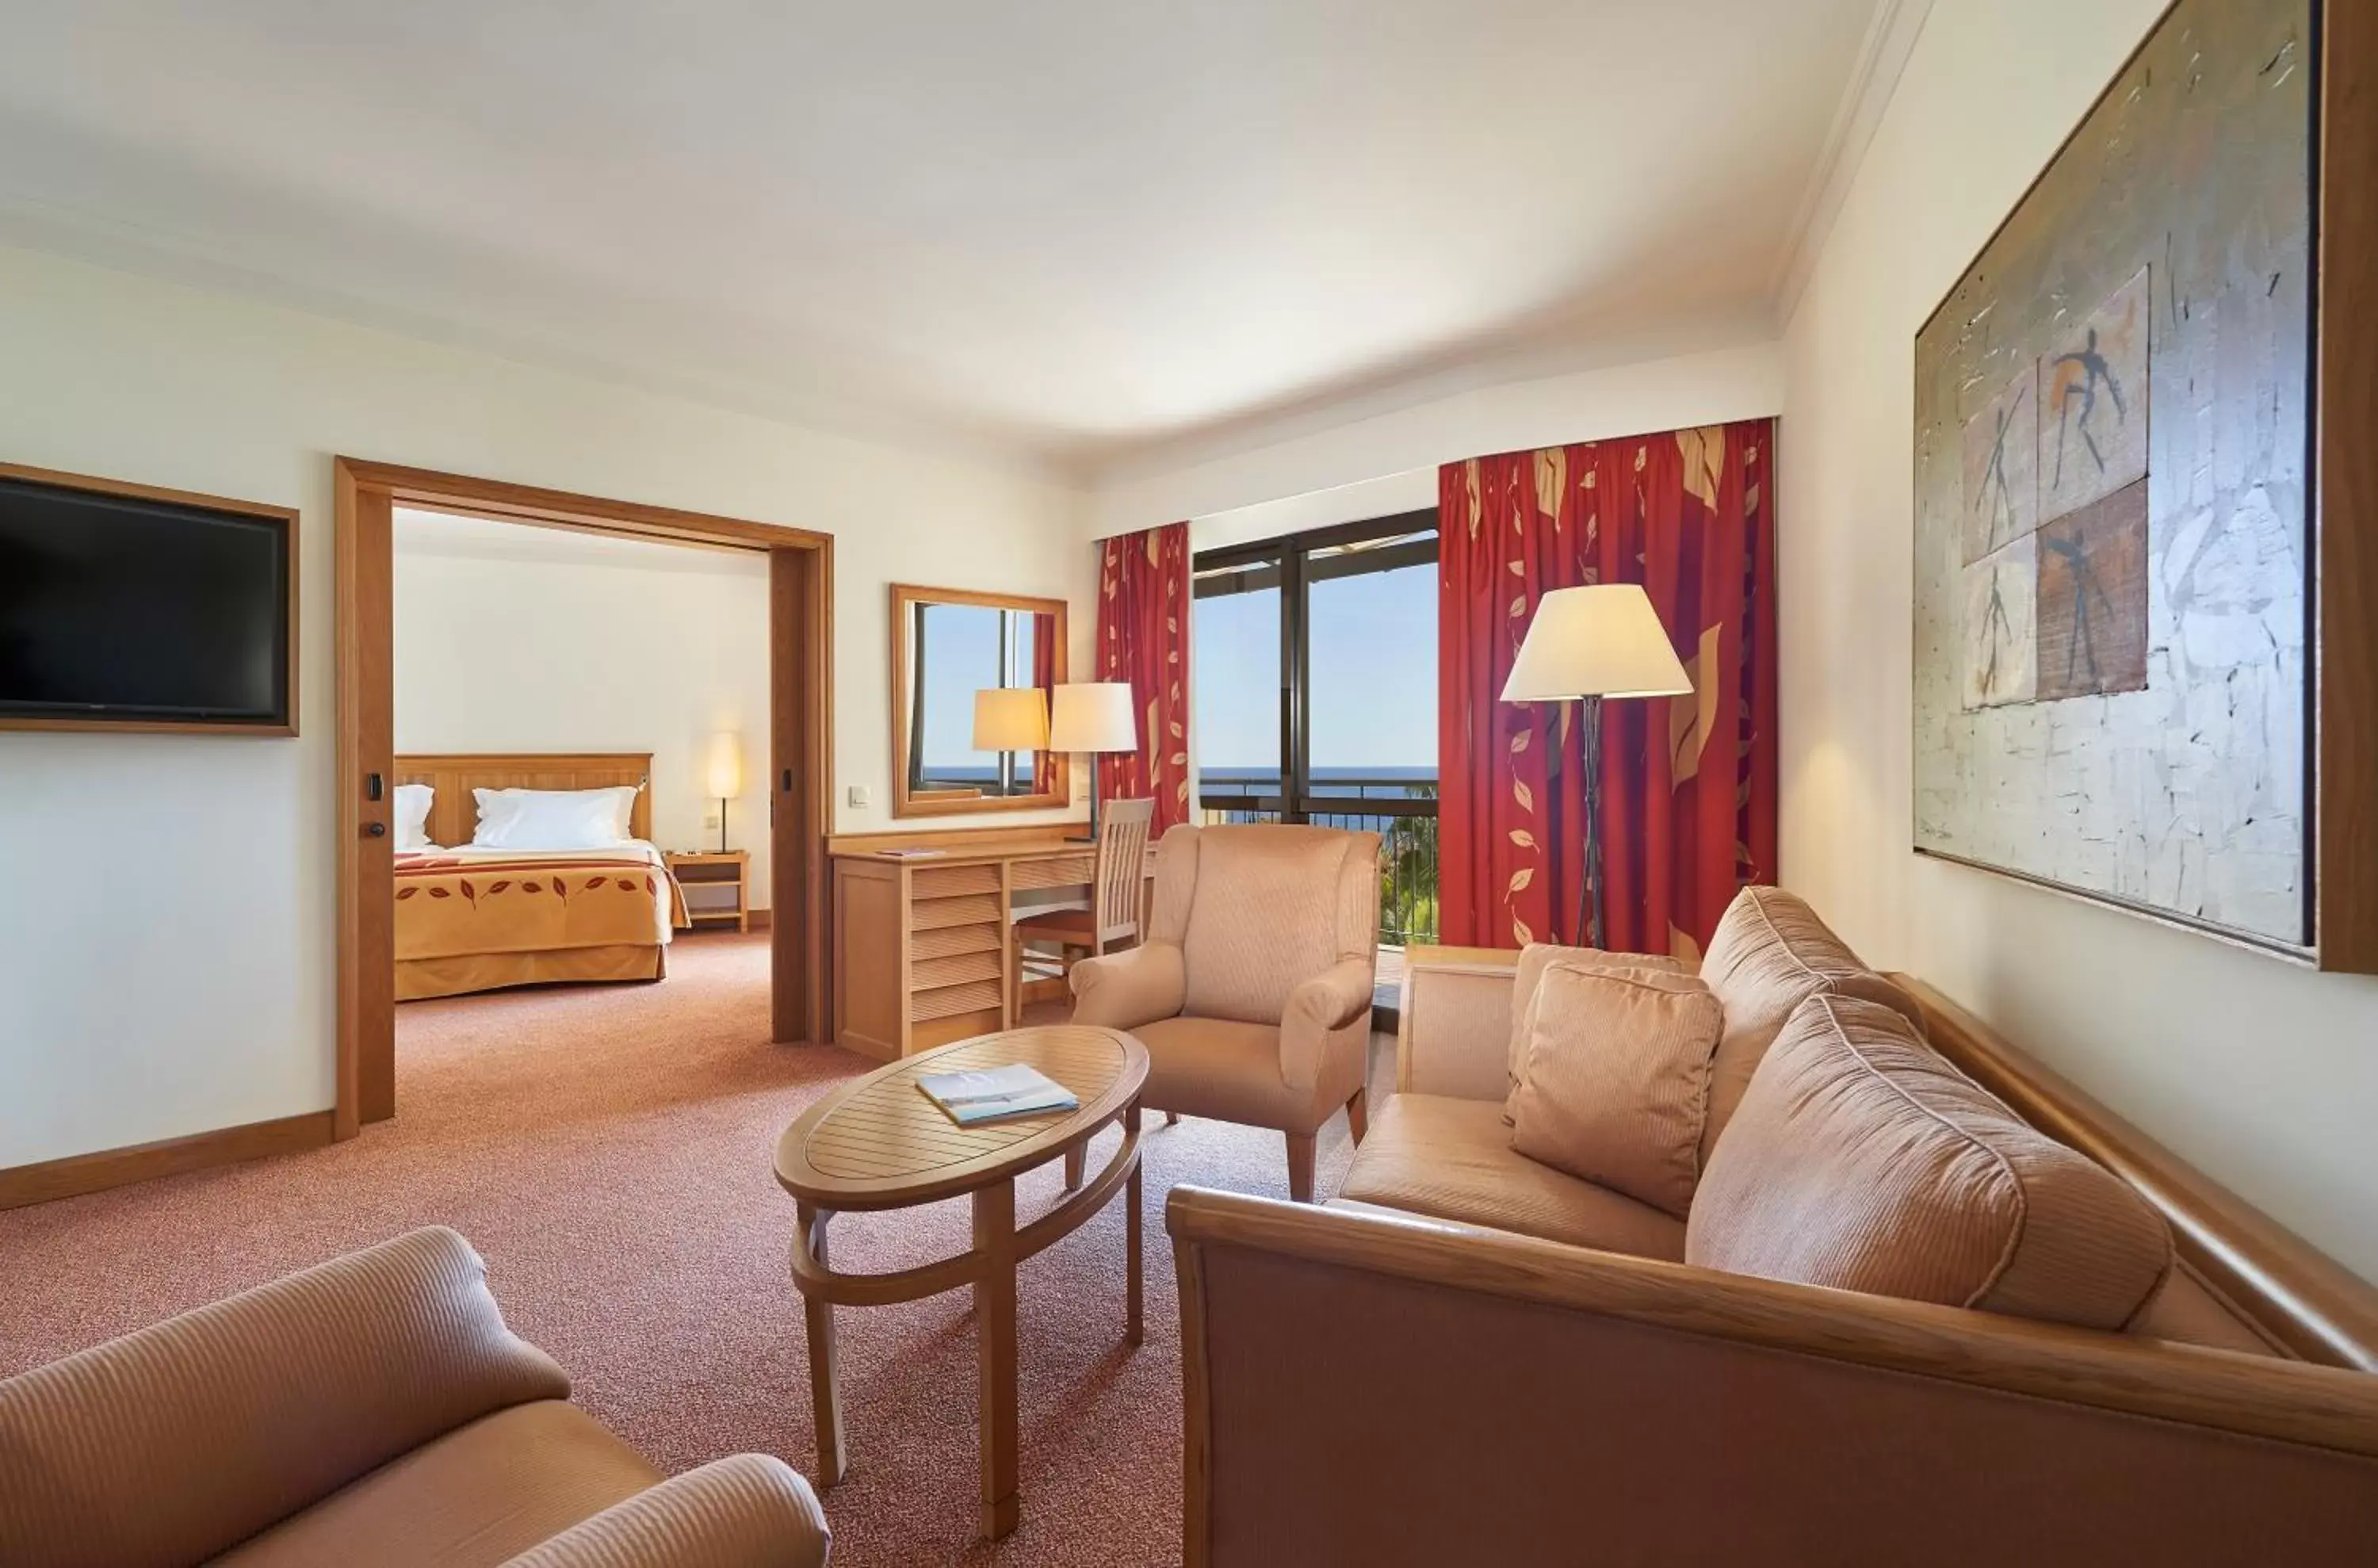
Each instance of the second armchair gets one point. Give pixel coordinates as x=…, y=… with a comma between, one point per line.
x=1252, y=991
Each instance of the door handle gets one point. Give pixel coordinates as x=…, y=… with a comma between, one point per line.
x=371, y=787
x=788, y=785
x=375, y=829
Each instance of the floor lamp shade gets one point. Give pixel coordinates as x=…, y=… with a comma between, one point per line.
x=1093, y=715
x=1603, y=640
x=1011, y=718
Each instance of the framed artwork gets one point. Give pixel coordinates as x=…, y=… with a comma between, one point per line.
x=2119, y=502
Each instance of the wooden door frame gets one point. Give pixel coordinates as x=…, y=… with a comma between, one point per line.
x=801, y=752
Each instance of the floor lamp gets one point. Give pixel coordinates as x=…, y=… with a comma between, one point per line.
x=1600, y=641
x=1092, y=716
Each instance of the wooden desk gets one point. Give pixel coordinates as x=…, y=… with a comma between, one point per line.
x=920, y=943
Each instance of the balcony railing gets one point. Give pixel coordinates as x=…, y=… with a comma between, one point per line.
x=1401, y=811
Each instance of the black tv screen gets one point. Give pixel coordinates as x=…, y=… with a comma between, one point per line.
x=122, y=609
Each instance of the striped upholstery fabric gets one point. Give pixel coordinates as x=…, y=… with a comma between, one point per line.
x=169, y=1445
x=1452, y=1159
x=1273, y=906
x=1537, y=956
x=1860, y=1160
x=1768, y=954
x=1617, y=1079
x=751, y=1511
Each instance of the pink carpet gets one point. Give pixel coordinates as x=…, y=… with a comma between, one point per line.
x=607, y=1150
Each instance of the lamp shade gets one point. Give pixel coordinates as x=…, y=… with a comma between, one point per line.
x=1093, y=715
x=725, y=768
x=1011, y=718
x=1602, y=640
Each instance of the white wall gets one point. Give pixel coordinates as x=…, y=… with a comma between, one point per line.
x=166, y=936
x=1388, y=463
x=518, y=639
x=2264, y=1075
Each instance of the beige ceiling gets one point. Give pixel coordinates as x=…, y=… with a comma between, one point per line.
x=1077, y=227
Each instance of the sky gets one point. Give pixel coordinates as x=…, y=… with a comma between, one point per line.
x=1374, y=642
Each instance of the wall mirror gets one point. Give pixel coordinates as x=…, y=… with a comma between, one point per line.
x=971, y=674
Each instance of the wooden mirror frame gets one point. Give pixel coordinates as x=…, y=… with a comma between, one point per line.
x=1055, y=769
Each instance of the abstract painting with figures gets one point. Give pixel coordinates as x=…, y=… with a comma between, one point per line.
x=2112, y=676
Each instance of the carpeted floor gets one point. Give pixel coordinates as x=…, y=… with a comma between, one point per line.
x=607, y=1149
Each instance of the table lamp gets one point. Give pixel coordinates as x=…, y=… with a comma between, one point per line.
x=726, y=775
x=1009, y=719
x=1587, y=644
x=1090, y=717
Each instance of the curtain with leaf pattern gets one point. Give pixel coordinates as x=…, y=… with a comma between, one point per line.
x=1689, y=799
x=1143, y=638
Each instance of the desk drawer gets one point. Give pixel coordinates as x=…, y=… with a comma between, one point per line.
x=956, y=969
x=946, y=881
x=1057, y=871
x=967, y=909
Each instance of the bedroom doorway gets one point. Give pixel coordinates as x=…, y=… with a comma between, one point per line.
x=795, y=769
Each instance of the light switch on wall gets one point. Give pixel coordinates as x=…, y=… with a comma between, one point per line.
x=859, y=797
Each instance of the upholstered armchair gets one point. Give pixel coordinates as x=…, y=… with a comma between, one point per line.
x=1253, y=989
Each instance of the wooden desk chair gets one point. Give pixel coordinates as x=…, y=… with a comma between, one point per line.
x=1117, y=895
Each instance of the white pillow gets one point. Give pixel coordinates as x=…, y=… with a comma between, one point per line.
x=553, y=819
x=412, y=815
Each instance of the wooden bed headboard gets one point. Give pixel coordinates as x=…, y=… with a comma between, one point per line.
x=453, y=815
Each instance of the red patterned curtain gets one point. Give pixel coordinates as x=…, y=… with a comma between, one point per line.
x=1688, y=783
x=1143, y=638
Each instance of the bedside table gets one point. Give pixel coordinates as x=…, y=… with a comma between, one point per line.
x=729, y=869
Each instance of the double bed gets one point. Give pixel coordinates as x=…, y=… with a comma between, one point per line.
x=475, y=917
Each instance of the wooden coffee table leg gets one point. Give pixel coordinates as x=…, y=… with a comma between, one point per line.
x=825, y=1394
x=994, y=1327
x=1131, y=1232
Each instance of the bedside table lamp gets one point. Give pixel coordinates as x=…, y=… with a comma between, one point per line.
x=726, y=775
x=1090, y=717
x=1600, y=641
x=1008, y=720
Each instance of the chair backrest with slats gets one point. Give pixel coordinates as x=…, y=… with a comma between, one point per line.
x=1122, y=851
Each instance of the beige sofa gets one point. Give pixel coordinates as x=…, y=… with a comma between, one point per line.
x=372, y=1412
x=1530, y=1353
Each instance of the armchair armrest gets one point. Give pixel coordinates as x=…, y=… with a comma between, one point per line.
x=752, y=1511
x=1678, y=1414
x=1455, y=1034
x=1130, y=988
x=1325, y=1005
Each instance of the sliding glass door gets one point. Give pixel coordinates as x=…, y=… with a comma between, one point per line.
x=1317, y=695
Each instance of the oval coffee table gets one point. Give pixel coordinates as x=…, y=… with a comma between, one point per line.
x=880, y=1144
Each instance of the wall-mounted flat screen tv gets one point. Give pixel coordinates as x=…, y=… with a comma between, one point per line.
x=129, y=609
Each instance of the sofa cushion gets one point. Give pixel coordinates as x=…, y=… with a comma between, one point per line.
x=1617, y=1085
x=1264, y=917
x=1453, y=1160
x=1534, y=959
x=1861, y=1160
x=1768, y=954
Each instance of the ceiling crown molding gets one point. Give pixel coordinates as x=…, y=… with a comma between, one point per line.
x=1889, y=39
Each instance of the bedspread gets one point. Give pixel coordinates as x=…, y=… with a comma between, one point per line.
x=451, y=906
